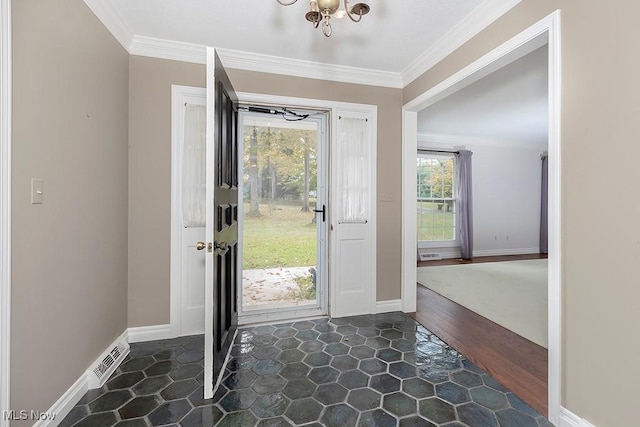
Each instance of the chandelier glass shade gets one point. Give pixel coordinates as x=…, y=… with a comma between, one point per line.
x=321, y=11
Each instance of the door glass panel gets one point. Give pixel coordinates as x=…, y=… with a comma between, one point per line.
x=280, y=227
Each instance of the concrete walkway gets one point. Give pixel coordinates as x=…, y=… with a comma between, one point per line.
x=272, y=287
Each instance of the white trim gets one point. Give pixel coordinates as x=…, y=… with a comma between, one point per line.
x=72, y=396
x=333, y=107
x=409, y=245
x=388, y=306
x=258, y=315
x=5, y=207
x=428, y=140
x=552, y=22
x=569, y=419
x=107, y=14
x=506, y=252
x=189, y=52
x=168, y=49
x=480, y=18
x=209, y=227
x=65, y=404
x=179, y=95
x=321, y=104
x=149, y=333
x=265, y=317
x=309, y=69
x=545, y=31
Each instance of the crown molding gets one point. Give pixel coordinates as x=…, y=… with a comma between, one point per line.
x=168, y=49
x=479, y=19
x=449, y=141
x=179, y=51
x=106, y=13
x=308, y=69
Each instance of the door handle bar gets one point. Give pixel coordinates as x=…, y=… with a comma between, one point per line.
x=324, y=212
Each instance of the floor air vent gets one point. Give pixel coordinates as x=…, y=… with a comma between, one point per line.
x=105, y=365
x=423, y=255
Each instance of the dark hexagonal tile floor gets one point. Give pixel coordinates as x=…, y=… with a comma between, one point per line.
x=378, y=370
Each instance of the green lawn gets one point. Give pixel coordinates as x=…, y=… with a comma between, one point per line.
x=434, y=224
x=282, y=237
x=285, y=237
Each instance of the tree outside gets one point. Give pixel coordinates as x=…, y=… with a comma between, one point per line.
x=279, y=232
x=280, y=166
x=436, y=217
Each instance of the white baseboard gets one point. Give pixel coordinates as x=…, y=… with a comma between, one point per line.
x=65, y=404
x=105, y=365
x=569, y=419
x=501, y=252
x=149, y=333
x=61, y=408
x=388, y=306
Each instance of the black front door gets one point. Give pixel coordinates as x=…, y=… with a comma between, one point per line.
x=225, y=212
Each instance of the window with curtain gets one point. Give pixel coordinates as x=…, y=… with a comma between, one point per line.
x=194, y=166
x=436, y=197
x=355, y=172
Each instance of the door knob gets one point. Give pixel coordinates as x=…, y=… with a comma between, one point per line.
x=201, y=245
x=221, y=245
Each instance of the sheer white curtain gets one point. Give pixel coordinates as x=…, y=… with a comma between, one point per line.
x=355, y=171
x=193, y=166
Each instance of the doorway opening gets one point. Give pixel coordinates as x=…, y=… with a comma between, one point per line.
x=283, y=231
x=546, y=31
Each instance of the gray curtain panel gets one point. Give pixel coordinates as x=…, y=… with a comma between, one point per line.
x=465, y=203
x=544, y=205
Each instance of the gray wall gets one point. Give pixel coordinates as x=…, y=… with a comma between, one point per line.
x=150, y=83
x=69, y=258
x=600, y=242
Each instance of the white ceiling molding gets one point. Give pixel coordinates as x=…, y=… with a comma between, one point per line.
x=313, y=70
x=179, y=51
x=480, y=18
x=432, y=140
x=110, y=19
x=168, y=49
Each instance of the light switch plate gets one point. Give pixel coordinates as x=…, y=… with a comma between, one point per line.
x=37, y=191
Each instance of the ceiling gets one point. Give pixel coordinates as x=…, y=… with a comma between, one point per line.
x=389, y=39
x=392, y=45
x=508, y=106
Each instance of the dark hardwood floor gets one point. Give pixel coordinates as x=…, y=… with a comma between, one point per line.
x=516, y=362
x=456, y=261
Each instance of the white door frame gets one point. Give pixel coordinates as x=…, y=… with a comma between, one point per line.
x=179, y=95
x=545, y=31
x=333, y=107
x=270, y=315
x=5, y=206
x=248, y=98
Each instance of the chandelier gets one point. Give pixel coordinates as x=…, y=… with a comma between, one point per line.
x=324, y=10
